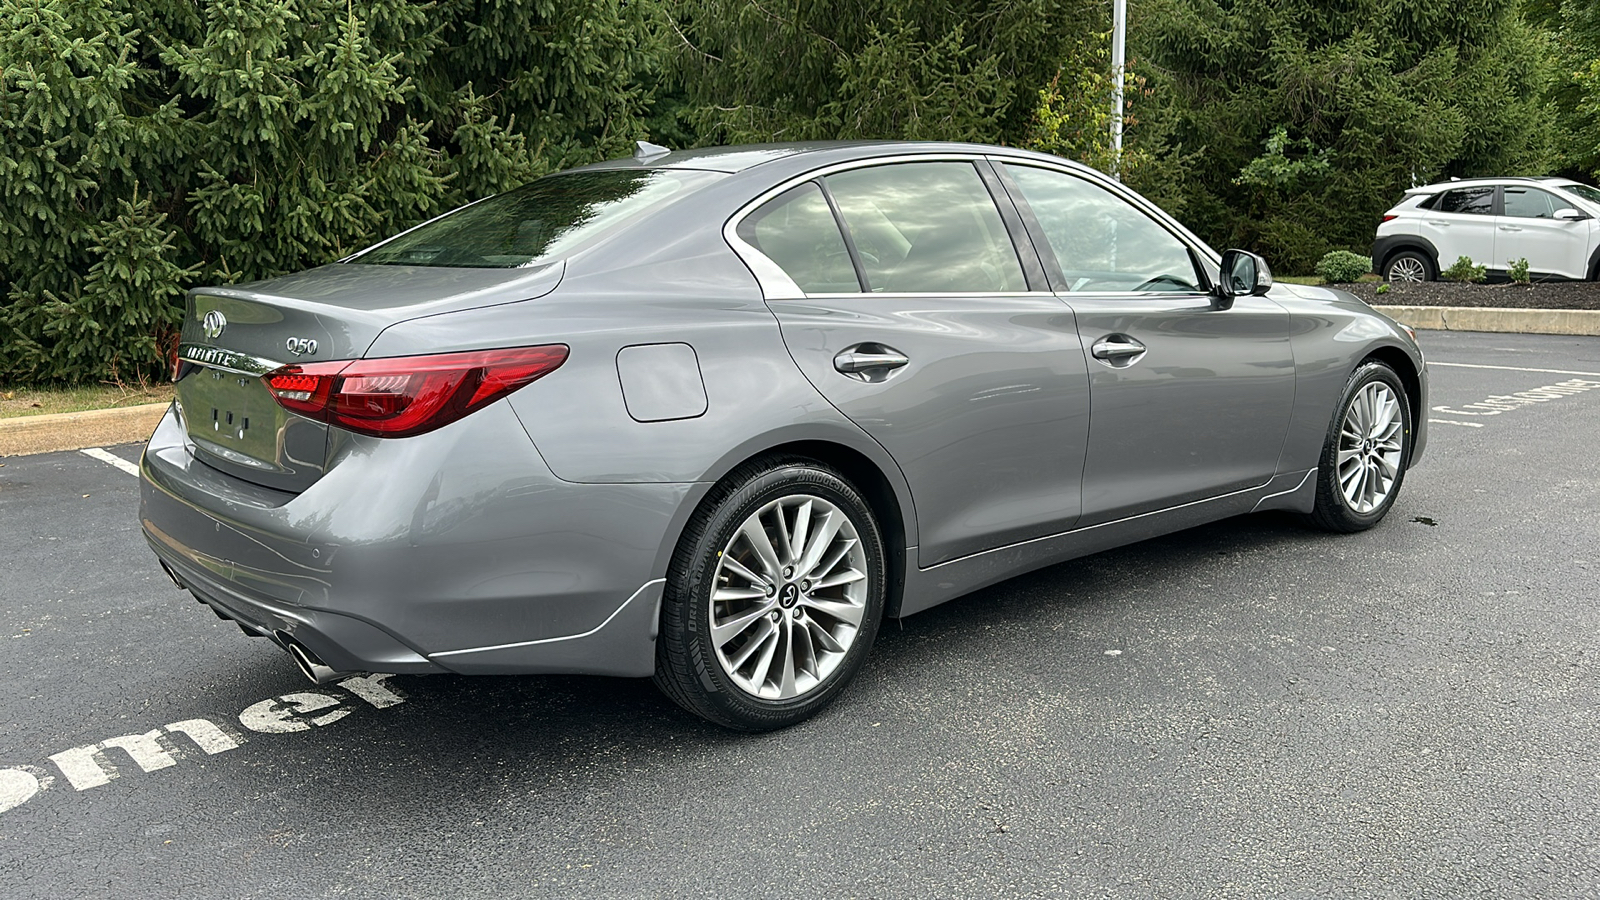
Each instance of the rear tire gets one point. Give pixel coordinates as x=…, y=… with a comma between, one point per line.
x=1411, y=266
x=773, y=598
x=1365, y=454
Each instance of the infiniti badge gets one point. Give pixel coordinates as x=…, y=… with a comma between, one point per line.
x=213, y=323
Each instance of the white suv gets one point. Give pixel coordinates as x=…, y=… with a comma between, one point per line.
x=1553, y=223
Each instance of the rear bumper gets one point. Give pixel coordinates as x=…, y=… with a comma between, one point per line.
x=453, y=551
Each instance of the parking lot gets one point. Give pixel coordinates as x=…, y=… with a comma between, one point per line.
x=1247, y=709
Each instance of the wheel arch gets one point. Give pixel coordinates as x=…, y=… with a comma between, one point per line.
x=1403, y=366
x=879, y=493
x=879, y=482
x=1389, y=247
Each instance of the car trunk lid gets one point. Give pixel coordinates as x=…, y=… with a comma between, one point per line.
x=232, y=336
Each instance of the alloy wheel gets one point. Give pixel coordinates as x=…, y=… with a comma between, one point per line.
x=1408, y=268
x=1370, y=447
x=788, y=597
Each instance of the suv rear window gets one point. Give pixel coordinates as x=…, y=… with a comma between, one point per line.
x=1476, y=201
x=539, y=221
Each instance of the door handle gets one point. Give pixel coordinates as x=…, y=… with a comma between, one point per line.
x=1438, y=223
x=869, y=362
x=1116, y=348
x=1509, y=228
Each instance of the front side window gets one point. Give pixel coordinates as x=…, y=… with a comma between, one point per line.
x=927, y=227
x=540, y=221
x=1528, y=203
x=1101, y=241
x=1477, y=201
x=797, y=231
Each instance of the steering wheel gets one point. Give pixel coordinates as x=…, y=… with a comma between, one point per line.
x=466, y=259
x=1164, y=282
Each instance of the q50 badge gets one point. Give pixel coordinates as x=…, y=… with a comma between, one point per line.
x=300, y=346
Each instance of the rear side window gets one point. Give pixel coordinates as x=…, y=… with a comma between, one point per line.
x=927, y=227
x=796, y=230
x=540, y=221
x=1477, y=201
x=1528, y=203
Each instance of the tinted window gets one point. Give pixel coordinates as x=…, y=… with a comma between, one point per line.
x=1477, y=201
x=1102, y=242
x=927, y=228
x=1582, y=190
x=797, y=231
x=540, y=220
x=1528, y=203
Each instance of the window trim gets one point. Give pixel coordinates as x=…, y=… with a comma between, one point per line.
x=844, y=231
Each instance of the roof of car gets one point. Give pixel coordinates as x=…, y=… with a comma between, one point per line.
x=1438, y=186
x=740, y=157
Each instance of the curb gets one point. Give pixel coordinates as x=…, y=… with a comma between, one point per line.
x=1487, y=318
x=26, y=435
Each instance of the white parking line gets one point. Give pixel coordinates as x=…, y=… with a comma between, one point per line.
x=112, y=459
x=1454, y=422
x=1434, y=362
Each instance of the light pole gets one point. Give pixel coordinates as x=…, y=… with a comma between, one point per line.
x=1119, y=56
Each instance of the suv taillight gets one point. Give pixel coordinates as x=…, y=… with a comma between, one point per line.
x=1387, y=217
x=403, y=396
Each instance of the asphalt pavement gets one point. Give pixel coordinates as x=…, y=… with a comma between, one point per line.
x=1248, y=709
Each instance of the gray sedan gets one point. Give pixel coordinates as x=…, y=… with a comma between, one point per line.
x=710, y=416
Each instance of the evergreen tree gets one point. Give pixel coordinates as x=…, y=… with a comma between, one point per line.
x=151, y=145
x=848, y=69
x=1575, y=86
x=82, y=125
x=1307, y=120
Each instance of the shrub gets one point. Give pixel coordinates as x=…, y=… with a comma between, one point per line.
x=1342, y=266
x=147, y=146
x=1464, y=270
x=1383, y=288
x=1518, y=270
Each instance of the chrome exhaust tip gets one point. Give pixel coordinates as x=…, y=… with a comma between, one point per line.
x=171, y=574
x=310, y=666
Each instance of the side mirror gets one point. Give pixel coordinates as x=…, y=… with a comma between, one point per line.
x=1244, y=274
x=1569, y=214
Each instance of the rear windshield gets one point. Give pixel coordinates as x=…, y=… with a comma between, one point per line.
x=1582, y=190
x=539, y=221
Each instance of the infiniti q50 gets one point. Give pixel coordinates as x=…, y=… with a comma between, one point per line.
x=711, y=416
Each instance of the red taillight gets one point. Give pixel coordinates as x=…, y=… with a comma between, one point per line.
x=407, y=395
x=1387, y=217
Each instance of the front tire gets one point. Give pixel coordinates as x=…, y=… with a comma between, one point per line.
x=773, y=598
x=1366, y=452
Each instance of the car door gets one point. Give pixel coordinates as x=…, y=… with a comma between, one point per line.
x=917, y=321
x=1528, y=229
x=1186, y=401
x=1461, y=222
